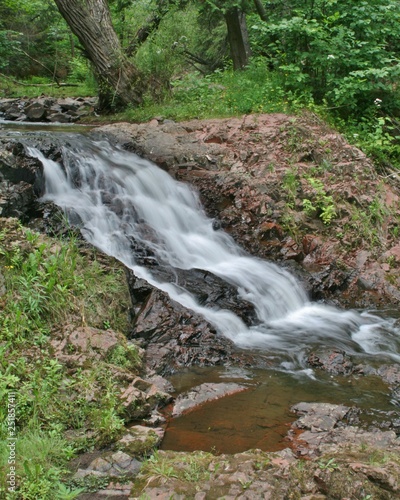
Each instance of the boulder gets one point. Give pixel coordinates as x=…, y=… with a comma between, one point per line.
x=140, y=398
x=140, y=441
x=36, y=112
x=202, y=394
x=83, y=346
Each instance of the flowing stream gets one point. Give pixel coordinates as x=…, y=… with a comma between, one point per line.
x=118, y=198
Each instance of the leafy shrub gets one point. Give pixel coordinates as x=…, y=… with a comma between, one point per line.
x=345, y=52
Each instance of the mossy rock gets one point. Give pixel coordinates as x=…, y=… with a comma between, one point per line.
x=140, y=441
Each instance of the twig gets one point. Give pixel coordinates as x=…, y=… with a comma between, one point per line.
x=40, y=63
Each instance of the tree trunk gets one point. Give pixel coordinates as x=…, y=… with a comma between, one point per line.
x=118, y=79
x=261, y=10
x=238, y=37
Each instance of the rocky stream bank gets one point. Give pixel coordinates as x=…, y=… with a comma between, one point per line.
x=287, y=189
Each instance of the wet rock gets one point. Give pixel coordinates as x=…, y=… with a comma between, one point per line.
x=382, y=476
x=319, y=417
x=390, y=374
x=336, y=362
x=59, y=118
x=47, y=109
x=36, y=112
x=202, y=394
x=175, y=336
x=160, y=382
x=365, y=284
x=323, y=430
x=21, y=181
x=332, y=279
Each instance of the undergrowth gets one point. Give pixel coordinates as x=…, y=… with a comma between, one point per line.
x=46, y=284
x=257, y=89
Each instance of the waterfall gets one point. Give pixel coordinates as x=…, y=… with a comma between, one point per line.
x=118, y=197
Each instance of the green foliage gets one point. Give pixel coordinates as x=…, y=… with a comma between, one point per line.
x=322, y=203
x=290, y=184
x=9, y=44
x=346, y=52
x=48, y=283
x=220, y=94
x=338, y=58
x=378, y=136
x=39, y=36
x=163, y=55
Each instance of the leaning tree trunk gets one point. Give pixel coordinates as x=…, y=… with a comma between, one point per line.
x=238, y=37
x=118, y=79
x=262, y=12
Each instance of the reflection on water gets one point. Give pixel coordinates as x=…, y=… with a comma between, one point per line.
x=261, y=417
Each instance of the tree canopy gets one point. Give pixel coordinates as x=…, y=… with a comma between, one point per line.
x=342, y=54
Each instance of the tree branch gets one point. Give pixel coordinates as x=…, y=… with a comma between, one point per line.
x=41, y=64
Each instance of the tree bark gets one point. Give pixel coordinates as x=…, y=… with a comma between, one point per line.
x=118, y=79
x=238, y=37
x=261, y=10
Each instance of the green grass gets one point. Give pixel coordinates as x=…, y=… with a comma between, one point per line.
x=226, y=93
x=36, y=87
x=60, y=411
x=222, y=94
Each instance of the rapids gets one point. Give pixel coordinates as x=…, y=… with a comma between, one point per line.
x=121, y=201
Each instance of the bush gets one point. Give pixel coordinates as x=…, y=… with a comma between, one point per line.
x=346, y=52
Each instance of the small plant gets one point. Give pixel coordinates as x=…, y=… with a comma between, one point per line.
x=309, y=208
x=291, y=184
x=262, y=464
x=65, y=493
x=391, y=260
x=377, y=210
x=329, y=465
x=158, y=466
x=245, y=484
x=378, y=457
x=322, y=202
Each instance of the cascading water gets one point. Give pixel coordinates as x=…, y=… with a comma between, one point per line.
x=119, y=198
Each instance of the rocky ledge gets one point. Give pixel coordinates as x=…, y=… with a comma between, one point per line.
x=47, y=109
x=291, y=190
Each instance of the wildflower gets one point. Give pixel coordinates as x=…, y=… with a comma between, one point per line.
x=331, y=56
x=377, y=102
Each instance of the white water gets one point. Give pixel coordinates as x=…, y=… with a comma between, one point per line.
x=166, y=216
